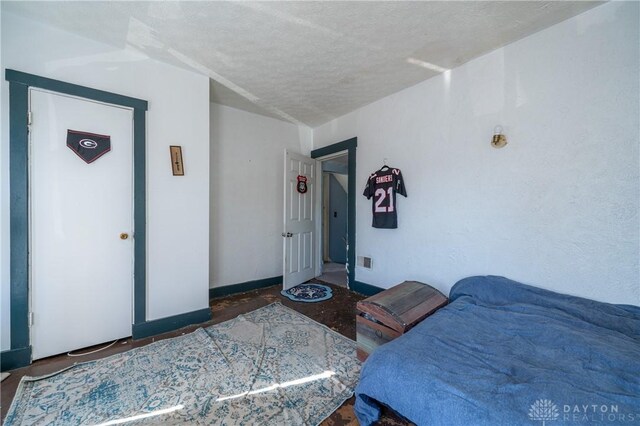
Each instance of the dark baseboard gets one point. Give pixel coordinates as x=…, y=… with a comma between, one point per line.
x=21, y=357
x=364, y=288
x=163, y=325
x=242, y=287
x=15, y=358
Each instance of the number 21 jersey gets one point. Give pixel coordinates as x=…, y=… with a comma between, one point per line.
x=383, y=186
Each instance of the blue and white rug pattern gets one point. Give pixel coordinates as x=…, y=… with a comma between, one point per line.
x=270, y=366
x=310, y=292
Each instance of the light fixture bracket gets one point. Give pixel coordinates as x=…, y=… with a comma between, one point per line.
x=498, y=141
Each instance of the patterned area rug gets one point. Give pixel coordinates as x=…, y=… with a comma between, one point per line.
x=270, y=366
x=309, y=293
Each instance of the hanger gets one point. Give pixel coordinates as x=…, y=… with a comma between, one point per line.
x=384, y=166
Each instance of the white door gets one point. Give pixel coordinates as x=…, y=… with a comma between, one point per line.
x=81, y=268
x=299, y=234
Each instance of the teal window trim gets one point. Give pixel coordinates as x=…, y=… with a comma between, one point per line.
x=350, y=146
x=19, y=84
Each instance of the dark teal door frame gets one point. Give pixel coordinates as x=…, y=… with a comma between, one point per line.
x=350, y=146
x=19, y=84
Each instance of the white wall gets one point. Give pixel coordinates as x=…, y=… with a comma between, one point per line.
x=557, y=208
x=247, y=193
x=343, y=180
x=177, y=207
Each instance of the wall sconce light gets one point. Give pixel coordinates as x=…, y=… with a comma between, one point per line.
x=499, y=140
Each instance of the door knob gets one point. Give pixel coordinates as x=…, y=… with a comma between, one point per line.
x=124, y=236
x=287, y=235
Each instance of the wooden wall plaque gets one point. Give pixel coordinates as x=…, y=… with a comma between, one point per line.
x=176, y=160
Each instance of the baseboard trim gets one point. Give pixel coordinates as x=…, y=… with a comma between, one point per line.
x=163, y=325
x=243, y=287
x=15, y=358
x=364, y=288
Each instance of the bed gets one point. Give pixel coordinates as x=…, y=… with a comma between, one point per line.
x=507, y=353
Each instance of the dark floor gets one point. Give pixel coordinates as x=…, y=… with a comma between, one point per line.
x=338, y=313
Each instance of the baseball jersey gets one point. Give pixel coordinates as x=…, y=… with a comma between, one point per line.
x=383, y=186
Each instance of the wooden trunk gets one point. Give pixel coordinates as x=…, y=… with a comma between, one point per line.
x=391, y=313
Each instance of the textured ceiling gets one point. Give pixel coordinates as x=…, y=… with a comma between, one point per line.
x=305, y=62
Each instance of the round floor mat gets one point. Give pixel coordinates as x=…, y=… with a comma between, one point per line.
x=309, y=293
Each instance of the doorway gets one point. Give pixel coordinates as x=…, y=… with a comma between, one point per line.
x=347, y=150
x=335, y=178
x=20, y=351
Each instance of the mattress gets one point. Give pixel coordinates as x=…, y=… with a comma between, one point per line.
x=507, y=353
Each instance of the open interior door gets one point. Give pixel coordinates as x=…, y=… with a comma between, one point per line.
x=299, y=234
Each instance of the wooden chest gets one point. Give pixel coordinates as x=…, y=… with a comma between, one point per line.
x=391, y=313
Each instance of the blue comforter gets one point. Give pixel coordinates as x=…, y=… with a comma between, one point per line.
x=506, y=353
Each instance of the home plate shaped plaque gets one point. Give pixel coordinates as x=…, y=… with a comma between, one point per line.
x=88, y=146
